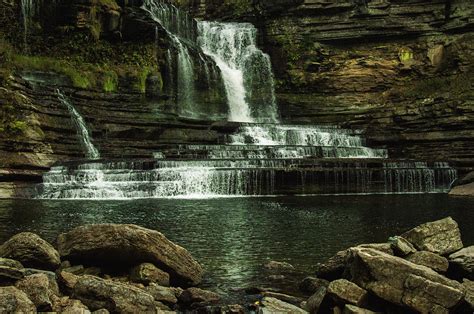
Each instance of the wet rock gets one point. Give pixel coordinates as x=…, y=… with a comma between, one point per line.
x=147, y=273
x=69, y=306
x=314, y=302
x=352, y=309
x=334, y=267
x=275, y=266
x=39, y=290
x=461, y=263
x=272, y=305
x=343, y=291
x=196, y=295
x=31, y=251
x=310, y=285
x=401, y=282
x=428, y=259
x=97, y=293
x=112, y=244
x=440, y=237
x=401, y=247
x=162, y=294
x=13, y=300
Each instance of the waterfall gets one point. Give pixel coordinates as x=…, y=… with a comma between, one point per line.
x=82, y=131
x=246, y=70
x=180, y=29
x=27, y=12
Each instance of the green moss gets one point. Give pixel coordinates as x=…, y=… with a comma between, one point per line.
x=110, y=81
x=80, y=75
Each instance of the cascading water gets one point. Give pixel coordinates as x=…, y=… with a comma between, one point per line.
x=27, y=12
x=82, y=131
x=246, y=70
x=260, y=158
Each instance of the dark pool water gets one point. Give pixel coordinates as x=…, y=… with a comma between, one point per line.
x=232, y=238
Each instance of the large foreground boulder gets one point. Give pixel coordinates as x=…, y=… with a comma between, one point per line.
x=112, y=244
x=97, y=293
x=404, y=283
x=31, y=250
x=440, y=237
x=13, y=300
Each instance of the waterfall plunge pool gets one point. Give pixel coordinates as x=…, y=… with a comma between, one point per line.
x=233, y=238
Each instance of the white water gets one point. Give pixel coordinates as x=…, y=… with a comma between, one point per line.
x=82, y=131
x=246, y=70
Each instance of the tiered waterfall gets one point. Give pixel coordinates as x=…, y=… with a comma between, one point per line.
x=260, y=156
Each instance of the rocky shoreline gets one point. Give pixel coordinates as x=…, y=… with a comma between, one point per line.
x=111, y=268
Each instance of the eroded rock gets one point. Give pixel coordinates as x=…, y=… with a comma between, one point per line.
x=39, y=290
x=461, y=263
x=162, y=294
x=272, y=305
x=440, y=237
x=310, y=285
x=69, y=306
x=275, y=266
x=31, y=250
x=147, y=273
x=428, y=259
x=343, y=291
x=401, y=282
x=197, y=295
x=334, y=267
x=314, y=302
x=13, y=300
x=97, y=293
x=129, y=245
x=401, y=247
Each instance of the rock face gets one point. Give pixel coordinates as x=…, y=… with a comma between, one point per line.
x=31, y=251
x=98, y=293
x=403, y=283
x=440, y=237
x=462, y=263
x=13, y=300
x=129, y=244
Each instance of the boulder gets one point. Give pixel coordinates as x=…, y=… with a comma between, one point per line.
x=147, y=273
x=383, y=247
x=314, y=302
x=111, y=244
x=32, y=251
x=13, y=300
x=272, y=305
x=67, y=281
x=461, y=263
x=334, y=267
x=10, y=271
x=69, y=306
x=401, y=247
x=310, y=285
x=275, y=266
x=402, y=282
x=162, y=294
x=39, y=290
x=97, y=293
x=196, y=295
x=343, y=291
x=434, y=261
x=440, y=237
